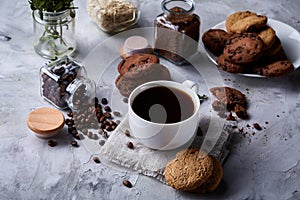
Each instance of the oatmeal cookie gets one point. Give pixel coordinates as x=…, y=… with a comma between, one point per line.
x=189, y=170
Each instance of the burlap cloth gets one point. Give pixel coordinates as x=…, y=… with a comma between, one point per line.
x=146, y=161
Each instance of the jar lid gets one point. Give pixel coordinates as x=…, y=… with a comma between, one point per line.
x=46, y=122
x=135, y=44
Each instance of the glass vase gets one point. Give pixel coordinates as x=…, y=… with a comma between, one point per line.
x=54, y=33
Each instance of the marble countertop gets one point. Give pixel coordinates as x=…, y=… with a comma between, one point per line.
x=265, y=165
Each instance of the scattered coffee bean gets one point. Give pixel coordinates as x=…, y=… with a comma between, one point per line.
x=130, y=145
x=101, y=142
x=127, y=133
x=125, y=100
x=117, y=114
x=74, y=143
x=107, y=115
x=257, y=126
x=95, y=137
x=96, y=160
x=70, y=114
x=107, y=109
x=52, y=143
x=105, y=135
x=104, y=101
x=84, y=131
x=127, y=183
x=117, y=122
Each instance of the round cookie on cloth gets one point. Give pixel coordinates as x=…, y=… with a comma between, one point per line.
x=233, y=18
x=214, y=180
x=214, y=40
x=135, y=61
x=190, y=169
x=227, y=66
x=243, y=48
x=277, y=68
x=138, y=75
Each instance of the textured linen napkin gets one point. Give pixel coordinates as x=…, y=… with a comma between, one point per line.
x=148, y=161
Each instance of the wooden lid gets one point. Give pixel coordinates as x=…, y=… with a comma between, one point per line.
x=45, y=120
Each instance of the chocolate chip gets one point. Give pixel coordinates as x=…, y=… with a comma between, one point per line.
x=130, y=145
x=127, y=183
x=96, y=160
x=74, y=143
x=52, y=143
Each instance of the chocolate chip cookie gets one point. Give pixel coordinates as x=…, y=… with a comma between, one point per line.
x=277, y=68
x=138, y=75
x=229, y=96
x=214, y=40
x=243, y=48
x=135, y=61
x=189, y=170
x=227, y=66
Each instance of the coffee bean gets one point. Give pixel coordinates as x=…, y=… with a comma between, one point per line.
x=130, y=145
x=96, y=100
x=70, y=114
x=84, y=131
x=74, y=143
x=117, y=114
x=117, y=122
x=127, y=183
x=104, y=101
x=101, y=142
x=108, y=128
x=95, y=137
x=127, y=133
x=125, y=100
x=52, y=143
x=96, y=160
x=257, y=126
x=107, y=115
x=107, y=109
x=105, y=135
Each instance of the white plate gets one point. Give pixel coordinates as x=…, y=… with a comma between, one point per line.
x=290, y=41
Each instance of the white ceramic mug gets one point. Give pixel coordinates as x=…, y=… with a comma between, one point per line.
x=169, y=135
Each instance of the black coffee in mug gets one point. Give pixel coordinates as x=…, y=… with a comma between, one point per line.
x=163, y=105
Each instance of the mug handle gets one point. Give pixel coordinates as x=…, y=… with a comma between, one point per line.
x=192, y=85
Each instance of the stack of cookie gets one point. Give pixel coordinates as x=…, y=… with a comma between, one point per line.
x=229, y=99
x=138, y=69
x=248, y=46
x=194, y=171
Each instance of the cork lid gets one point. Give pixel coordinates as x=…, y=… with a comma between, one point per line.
x=45, y=121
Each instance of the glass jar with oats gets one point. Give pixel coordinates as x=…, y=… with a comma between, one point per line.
x=114, y=15
x=177, y=31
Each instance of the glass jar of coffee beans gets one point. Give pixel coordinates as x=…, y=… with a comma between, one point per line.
x=177, y=31
x=65, y=85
